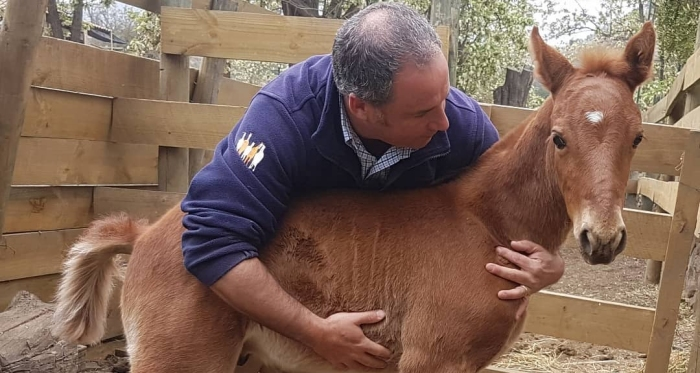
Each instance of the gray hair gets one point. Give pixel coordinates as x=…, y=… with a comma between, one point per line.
x=371, y=46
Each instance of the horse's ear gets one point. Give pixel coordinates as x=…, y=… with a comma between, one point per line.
x=551, y=67
x=639, y=55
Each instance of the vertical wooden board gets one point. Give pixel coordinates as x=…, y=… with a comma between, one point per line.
x=34, y=253
x=43, y=161
x=48, y=208
x=67, y=115
x=680, y=242
x=77, y=67
x=235, y=93
x=44, y=287
x=139, y=204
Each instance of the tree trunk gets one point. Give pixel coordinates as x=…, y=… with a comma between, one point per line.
x=515, y=89
x=26, y=344
x=76, y=27
x=54, y=20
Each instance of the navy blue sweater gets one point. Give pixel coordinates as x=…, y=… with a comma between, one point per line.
x=290, y=141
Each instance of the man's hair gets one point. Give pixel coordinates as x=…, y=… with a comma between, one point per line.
x=371, y=46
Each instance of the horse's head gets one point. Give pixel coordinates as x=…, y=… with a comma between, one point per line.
x=595, y=129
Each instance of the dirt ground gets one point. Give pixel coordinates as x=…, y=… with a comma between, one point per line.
x=536, y=353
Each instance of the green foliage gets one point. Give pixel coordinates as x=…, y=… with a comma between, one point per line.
x=492, y=37
x=677, y=22
x=147, y=40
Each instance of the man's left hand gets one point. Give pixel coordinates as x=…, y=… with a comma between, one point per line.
x=538, y=268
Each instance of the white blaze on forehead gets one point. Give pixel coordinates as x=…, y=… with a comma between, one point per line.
x=594, y=116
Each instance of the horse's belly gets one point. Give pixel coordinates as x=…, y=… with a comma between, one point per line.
x=279, y=352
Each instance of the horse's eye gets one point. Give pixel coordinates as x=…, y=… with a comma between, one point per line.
x=637, y=140
x=559, y=141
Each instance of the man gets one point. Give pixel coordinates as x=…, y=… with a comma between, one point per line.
x=377, y=114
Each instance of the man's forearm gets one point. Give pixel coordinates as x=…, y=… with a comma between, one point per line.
x=251, y=289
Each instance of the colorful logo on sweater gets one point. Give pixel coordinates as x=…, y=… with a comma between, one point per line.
x=250, y=152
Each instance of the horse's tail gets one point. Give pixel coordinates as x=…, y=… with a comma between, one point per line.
x=86, y=285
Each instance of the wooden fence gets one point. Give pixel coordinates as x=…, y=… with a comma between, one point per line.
x=95, y=127
x=680, y=108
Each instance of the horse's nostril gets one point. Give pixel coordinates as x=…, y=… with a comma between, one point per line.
x=585, y=242
x=623, y=241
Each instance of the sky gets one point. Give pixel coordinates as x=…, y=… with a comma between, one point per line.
x=591, y=6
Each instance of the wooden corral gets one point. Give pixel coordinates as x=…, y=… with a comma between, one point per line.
x=97, y=134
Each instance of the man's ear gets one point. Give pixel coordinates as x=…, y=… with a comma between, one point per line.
x=357, y=107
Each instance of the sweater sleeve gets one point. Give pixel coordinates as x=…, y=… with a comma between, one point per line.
x=234, y=204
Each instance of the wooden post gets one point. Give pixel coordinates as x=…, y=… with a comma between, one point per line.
x=19, y=38
x=206, y=90
x=446, y=13
x=680, y=242
x=173, y=163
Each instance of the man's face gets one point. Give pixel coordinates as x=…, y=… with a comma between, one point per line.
x=416, y=111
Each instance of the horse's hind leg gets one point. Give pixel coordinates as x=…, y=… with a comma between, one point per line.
x=196, y=341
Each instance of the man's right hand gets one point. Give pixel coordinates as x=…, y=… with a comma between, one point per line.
x=344, y=345
x=250, y=289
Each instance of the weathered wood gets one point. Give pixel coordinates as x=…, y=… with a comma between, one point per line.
x=34, y=254
x=173, y=163
x=19, y=38
x=139, y=204
x=251, y=36
x=43, y=161
x=680, y=243
x=206, y=91
x=235, y=93
x=26, y=344
x=67, y=115
x=176, y=124
x=515, y=89
x=48, y=208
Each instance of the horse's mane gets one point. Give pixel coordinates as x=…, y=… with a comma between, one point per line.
x=603, y=60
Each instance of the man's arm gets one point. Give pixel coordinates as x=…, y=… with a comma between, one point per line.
x=233, y=207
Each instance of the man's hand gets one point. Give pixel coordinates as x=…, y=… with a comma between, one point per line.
x=344, y=345
x=538, y=269
x=250, y=289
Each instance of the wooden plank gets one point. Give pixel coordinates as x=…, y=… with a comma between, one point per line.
x=67, y=115
x=680, y=243
x=250, y=36
x=589, y=320
x=65, y=65
x=176, y=124
x=660, y=152
x=139, y=204
x=34, y=253
x=657, y=112
x=692, y=73
x=663, y=193
x=43, y=287
x=235, y=93
x=674, y=92
x=48, y=208
x=153, y=6
x=690, y=120
x=43, y=161
x=647, y=233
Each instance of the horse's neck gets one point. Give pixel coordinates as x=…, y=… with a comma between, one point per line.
x=514, y=190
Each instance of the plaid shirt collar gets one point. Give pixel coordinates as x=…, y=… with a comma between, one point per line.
x=371, y=167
